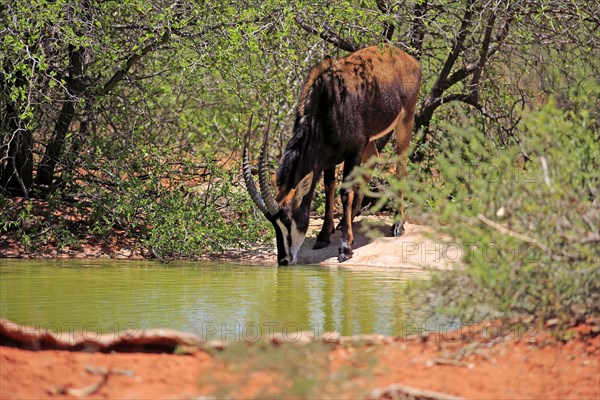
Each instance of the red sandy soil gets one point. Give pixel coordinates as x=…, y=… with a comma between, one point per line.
x=536, y=366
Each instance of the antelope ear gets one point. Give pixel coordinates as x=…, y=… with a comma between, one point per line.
x=302, y=189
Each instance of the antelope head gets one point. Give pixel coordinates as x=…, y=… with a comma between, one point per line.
x=289, y=215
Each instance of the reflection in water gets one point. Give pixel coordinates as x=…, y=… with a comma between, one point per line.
x=215, y=301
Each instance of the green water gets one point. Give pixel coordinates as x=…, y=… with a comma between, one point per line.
x=215, y=301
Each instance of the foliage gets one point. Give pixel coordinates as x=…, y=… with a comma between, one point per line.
x=187, y=74
x=176, y=209
x=104, y=104
x=525, y=218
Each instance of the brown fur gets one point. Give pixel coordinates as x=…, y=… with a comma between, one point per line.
x=346, y=106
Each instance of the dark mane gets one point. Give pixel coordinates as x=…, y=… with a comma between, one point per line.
x=309, y=84
x=306, y=128
x=289, y=165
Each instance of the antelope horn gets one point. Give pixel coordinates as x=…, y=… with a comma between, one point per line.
x=263, y=182
x=250, y=186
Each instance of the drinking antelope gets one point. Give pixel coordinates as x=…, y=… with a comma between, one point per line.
x=345, y=105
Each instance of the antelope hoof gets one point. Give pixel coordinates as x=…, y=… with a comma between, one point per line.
x=398, y=229
x=345, y=254
x=320, y=244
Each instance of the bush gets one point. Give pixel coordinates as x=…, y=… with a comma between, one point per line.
x=147, y=198
x=525, y=216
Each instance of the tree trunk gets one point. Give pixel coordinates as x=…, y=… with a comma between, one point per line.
x=17, y=165
x=16, y=159
x=45, y=173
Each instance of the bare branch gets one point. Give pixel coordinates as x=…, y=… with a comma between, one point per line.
x=454, y=53
x=460, y=74
x=445, y=80
x=328, y=35
x=483, y=54
x=132, y=60
x=508, y=232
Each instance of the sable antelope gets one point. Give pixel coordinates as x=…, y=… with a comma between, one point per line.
x=345, y=106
